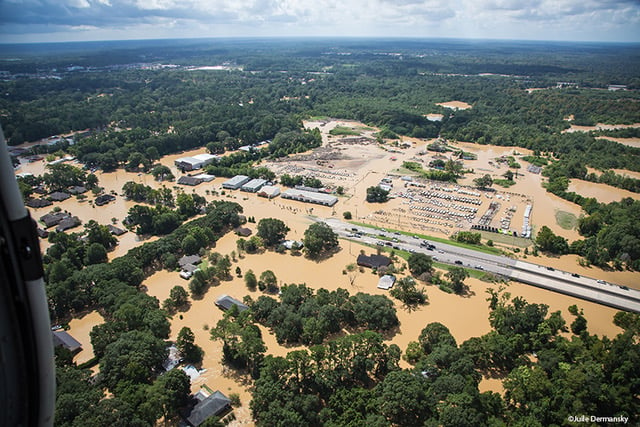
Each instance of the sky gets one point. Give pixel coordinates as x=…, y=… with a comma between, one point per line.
x=26, y=21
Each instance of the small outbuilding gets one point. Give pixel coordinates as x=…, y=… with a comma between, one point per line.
x=386, y=282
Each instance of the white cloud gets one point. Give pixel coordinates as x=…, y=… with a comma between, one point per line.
x=525, y=19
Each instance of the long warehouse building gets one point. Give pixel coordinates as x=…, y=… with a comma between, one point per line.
x=309, y=197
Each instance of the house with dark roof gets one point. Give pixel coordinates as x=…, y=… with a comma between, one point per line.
x=214, y=405
x=243, y=231
x=373, y=261
x=104, y=199
x=116, y=231
x=189, y=259
x=188, y=265
x=68, y=223
x=78, y=189
x=38, y=203
x=64, y=339
x=225, y=302
x=59, y=196
x=51, y=219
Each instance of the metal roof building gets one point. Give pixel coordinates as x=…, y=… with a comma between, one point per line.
x=254, y=185
x=195, y=162
x=309, y=197
x=386, y=282
x=235, y=182
x=269, y=191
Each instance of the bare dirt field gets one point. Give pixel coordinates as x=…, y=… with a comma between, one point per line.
x=599, y=126
x=455, y=105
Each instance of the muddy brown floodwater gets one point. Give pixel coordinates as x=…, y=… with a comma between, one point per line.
x=356, y=166
x=80, y=328
x=602, y=192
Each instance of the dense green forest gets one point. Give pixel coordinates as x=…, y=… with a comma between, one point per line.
x=136, y=108
x=136, y=114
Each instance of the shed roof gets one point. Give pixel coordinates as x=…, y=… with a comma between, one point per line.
x=386, y=281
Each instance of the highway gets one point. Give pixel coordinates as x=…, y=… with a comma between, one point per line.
x=612, y=295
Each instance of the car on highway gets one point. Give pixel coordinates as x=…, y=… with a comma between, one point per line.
x=602, y=282
x=458, y=262
x=575, y=275
x=479, y=267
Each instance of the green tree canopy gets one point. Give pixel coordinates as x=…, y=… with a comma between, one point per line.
x=272, y=231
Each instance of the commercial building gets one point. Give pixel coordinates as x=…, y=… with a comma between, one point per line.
x=269, y=191
x=254, y=185
x=235, y=182
x=189, y=180
x=195, y=162
x=309, y=197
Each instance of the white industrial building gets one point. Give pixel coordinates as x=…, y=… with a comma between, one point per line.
x=254, y=185
x=195, y=162
x=235, y=182
x=309, y=197
x=205, y=177
x=269, y=191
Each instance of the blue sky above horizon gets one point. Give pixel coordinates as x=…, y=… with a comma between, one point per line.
x=86, y=20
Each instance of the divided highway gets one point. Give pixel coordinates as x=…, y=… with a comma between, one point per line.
x=587, y=288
